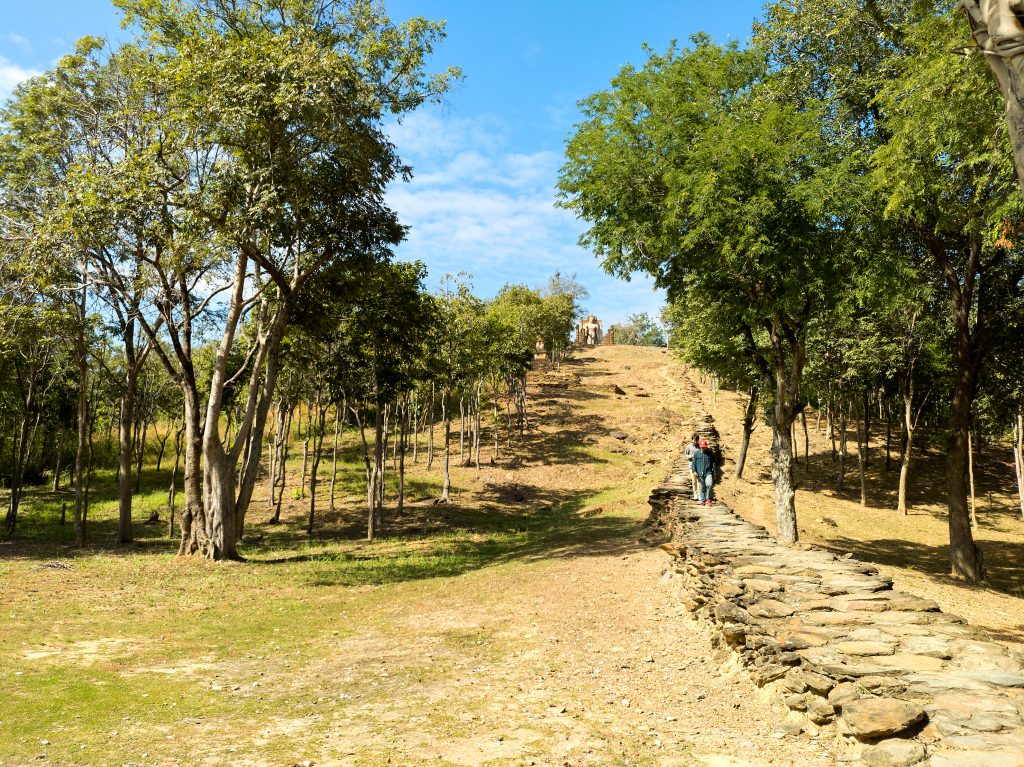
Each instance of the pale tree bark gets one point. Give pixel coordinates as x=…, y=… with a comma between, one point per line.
x=172, y=491
x=1018, y=457
x=970, y=475
x=749, y=424
x=462, y=431
x=162, y=441
x=78, y=516
x=334, y=452
x=782, y=374
x=997, y=28
x=318, y=443
x=429, y=418
x=305, y=448
x=57, y=461
x=807, y=441
x=843, y=418
x=909, y=427
x=862, y=451
x=402, y=438
x=447, y=483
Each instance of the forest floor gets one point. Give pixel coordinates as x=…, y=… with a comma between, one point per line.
x=522, y=625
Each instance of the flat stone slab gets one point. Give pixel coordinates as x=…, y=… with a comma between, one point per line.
x=893, y=753
x=881, y=717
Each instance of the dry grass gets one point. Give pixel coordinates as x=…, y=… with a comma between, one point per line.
x=913, y=549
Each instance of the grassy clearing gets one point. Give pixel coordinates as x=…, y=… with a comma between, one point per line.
x=326, y=648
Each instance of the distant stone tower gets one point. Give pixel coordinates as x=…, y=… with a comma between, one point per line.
x=589, y=332
x=609, y=337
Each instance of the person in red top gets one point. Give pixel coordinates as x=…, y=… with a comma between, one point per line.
x=703, y=465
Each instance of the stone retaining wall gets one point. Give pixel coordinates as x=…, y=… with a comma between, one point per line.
x=842, y=649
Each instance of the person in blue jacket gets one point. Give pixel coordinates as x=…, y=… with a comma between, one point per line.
x=703, y=465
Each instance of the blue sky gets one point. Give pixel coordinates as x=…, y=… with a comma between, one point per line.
x=486, y=164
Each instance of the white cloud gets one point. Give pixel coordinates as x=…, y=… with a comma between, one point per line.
x=10, y=75
x=15, y=39
x=477, y=204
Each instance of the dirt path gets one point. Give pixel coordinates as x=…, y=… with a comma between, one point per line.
x=582, y=656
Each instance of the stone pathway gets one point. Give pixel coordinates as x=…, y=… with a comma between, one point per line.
x=841, y=648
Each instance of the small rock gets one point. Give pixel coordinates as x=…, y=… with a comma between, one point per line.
x=881, y=717
x=820, y=711
x=771, y=608
x=795, y=682
x=768, y=673
x=792, y=727
x=734, y=635
x=893, y=753
x=795, y=702
x=818, y=683
x=843, y=693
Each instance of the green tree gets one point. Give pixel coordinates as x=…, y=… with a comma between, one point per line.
x=639, y=330
x=948, y=176
x=692, y=169
x=239, y=152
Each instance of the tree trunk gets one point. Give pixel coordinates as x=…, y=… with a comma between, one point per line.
x=415, y=429
x=970, y=474
x=80, y=449
x=909, y=424
x=1018, y=457
x=462, y=431
x=305, y=446
x=497, y=424
x=57, y=463
x=172, y=491
x=334, y=454
x=402, y=437
x=447, y=484
x=370, y=479
x=381, y=453
x=140, y=452
x=862, y=451
x=318, y=442
x=282, y=463
x=888, y=439
x=124, y=437
x=89, y=465
x=807, y=441
x=782, y=476
x=867, y=427
x=163, y=446
x=965, y=556
x=841, y=479
x=832, y=427
x=430, y=432
x=194, y=538
x=749, y=416
x=476, y=426
x=17, y=472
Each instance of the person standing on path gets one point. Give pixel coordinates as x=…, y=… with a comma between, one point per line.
x=693, y=447
x=703, y=466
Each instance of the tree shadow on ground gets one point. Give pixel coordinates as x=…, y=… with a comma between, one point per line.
x=927, y=479
x=1004, y=561
x=509, y=522
x=572, y=441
